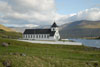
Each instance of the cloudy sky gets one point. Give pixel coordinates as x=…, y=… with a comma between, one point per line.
x=32, y=13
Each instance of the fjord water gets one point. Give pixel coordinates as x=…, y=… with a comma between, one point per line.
x=90, y=43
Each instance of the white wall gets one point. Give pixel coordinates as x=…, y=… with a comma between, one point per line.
x=57, y=35
x=37, y=37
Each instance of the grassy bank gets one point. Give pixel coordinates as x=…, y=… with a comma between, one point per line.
x=45, y=55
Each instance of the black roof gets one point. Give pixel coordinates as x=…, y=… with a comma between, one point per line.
x=54, y=25
x=39, y=31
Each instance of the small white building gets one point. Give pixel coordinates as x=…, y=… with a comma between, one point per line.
x=42, y=34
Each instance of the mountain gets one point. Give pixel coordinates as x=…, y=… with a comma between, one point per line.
x=80, y=29
x=6, y=28
x=19, y=29
x=82, y=24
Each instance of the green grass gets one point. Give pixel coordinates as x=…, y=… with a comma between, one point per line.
x=46, y=55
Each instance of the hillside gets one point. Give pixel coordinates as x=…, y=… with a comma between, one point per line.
x=6, y=28
x=80, y=29
x=23, y=54
x=82, y=24
x=10, y=35
x=6, y=32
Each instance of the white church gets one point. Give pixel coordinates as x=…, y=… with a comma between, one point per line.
x=42, y=34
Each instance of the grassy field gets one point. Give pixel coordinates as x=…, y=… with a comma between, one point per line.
x=45, y=55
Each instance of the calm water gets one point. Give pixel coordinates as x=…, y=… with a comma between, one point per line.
x=91, y=43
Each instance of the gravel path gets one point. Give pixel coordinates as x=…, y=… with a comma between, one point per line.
x=53, y=42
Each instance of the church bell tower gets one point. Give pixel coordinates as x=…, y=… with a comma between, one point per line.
x=54, y=27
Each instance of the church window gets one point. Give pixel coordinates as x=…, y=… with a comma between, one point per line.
x=42, y=35
x=31, y=36
x=47, y=36
x=26, y=36
x=38, y=36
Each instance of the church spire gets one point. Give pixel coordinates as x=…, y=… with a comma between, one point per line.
x=54, y=24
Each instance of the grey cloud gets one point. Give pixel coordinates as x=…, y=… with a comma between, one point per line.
x=31, y=11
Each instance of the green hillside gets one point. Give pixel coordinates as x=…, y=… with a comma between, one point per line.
x=45, y=55
x=11, y=35
x=81, y=29
x=6, y=32
x=6, y=28
x=82, y=24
